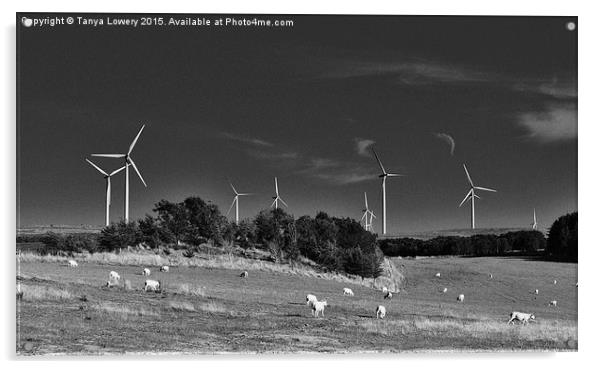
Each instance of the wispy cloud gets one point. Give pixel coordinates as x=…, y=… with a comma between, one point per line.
x=345, y=178
x=248, y=140
x=273, y=155
x=449, y=139
x=565, y=89
x=557, y=123
x=362, y=145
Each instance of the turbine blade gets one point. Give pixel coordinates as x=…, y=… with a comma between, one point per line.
x=366, y=199
x=109, y=189
x=466, y=198
x=365, y=215
x=137, y=172
x=468, y=176
x=244, y=194
x=231, y=206
x=233, y=189
x=372, y=214
x=276, y=182
x=97, y=168
x=379, y=162
x=274, y=202
x=395, y=175
x=477, y=196
x=117, y=171
x=282, y=201
x=485, y=189
x=109, y=155
x=135, y=140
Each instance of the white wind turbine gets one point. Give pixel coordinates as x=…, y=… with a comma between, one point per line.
x=277, y=197
x=128, y=161
x=367, y=211
x=534, y=224
x=384, y=176
x=236, y=195
x=108, y=180
x=471, y=194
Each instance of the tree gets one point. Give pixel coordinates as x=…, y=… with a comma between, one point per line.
x=173, y=219
x=563, y=237
x=119, y=235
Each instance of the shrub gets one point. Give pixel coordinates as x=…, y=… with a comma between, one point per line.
x=118, y=236
x=563, y=237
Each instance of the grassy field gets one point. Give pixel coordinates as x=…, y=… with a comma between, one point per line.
x=213, y=310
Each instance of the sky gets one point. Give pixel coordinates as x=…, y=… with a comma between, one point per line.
x=307, y=104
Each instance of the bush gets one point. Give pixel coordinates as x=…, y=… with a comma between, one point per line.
x=563, y=237
x=118, y=236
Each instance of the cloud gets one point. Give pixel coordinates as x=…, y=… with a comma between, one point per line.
x=335, y=172
x=285, y=155
x=557, y=123
x=449, y=139
x=345, y=178
x=249, y=140
x=362, y=145
x=565, y=89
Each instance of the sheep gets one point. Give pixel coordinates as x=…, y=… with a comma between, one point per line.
x=385, y=290
x=460, y=298
x=536, y=291
x=445, y=290
x=388, y=295
x=317, y=307
x=521, y=317
x=244, y=274
x=490, y=276
x=146, y=271
x=109, y=283
x=555, y=281
x=114, y=276
x=347, y=292
x=381, y=312
x=154, y=286
x=438, y=275
x=73, y=263
x=164, y=268
x=553, y=303
x=310, y=299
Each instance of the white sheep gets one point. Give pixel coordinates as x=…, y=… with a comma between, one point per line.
x=318, y=306
x=521, y=317
x=460, y=298
x=348, y=292
x=109, y=283
x=555, y=281
x=244, y=274
x=388, y=295
x=154, y=286
x=438, y=275
x=445, y=290
x=381, y=312
x=310, y=299
x=385, y=290
x=146, y=271
x=536, y=291
x=164, y=268
x=553, y=303
x=114, y=276
x=73, y=263
x=490, y=276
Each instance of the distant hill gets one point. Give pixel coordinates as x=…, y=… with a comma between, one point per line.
x=427, y=235
x=58, y=228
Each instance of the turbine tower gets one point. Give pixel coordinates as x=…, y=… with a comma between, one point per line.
x=108, y=180
x=471, y=194
x=128, y=161
x=384, y=176
x=534, y=224
x=367, y=211
x=236, y=195
x=277, y=197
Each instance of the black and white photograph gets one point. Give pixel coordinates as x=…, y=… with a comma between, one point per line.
x=247, y=183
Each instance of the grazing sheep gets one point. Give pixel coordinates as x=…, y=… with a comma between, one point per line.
x=164, y=268
x=145, y=271
x=445, y=290
x=347, y=292
x=553, y=303
x=438, y=275
x=388, y=295
x=385, y=290
x=381, y=312
x=536, y=291
x=73, y=263
x=114, y=275
x=109, y=283
x=460, y=298
x=521, y=317
x=244, y=274
x=490, y=276
x=310, y=299
x=19, y=292
x=318, y=306
x=154, y=286
x=555, y=281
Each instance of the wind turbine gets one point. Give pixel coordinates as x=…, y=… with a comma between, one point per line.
x=236, y=194
x=534, y=224
x=128, y=161
x=367, y=211
x=108, y=180
x=277, y=197
x=471, y=194
x=384, y=176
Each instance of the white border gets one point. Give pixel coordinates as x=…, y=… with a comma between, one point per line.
x=589, y=172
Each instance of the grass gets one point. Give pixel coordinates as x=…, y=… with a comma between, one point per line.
x=186, y=289
x=181, y=306
x=36, y=293
x=124, y=311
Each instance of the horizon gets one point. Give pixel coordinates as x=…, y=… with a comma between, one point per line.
x=305, y=104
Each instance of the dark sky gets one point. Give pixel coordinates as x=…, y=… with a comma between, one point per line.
x=304, y=103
